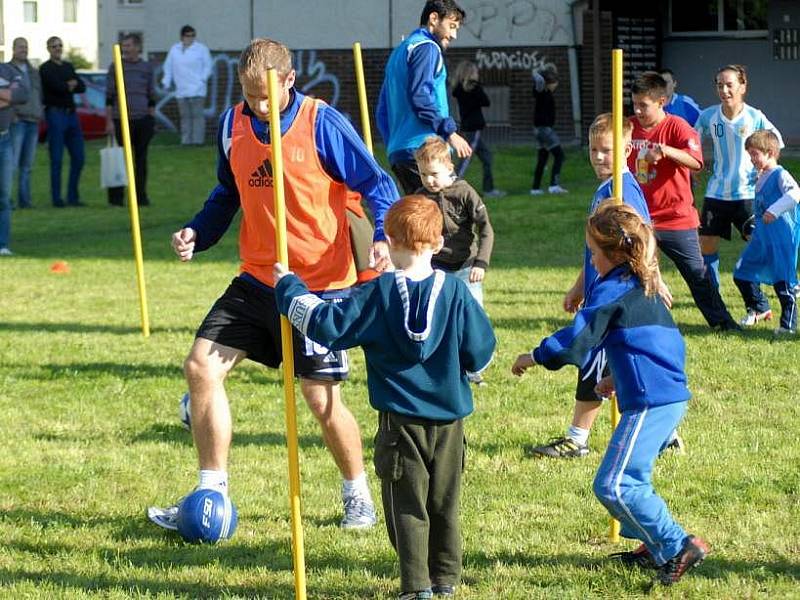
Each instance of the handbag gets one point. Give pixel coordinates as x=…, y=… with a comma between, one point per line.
x=112, y=165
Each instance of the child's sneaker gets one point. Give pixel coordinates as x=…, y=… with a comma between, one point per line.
x=676, y=444
x=640, y=557
x=556, y=189
x=359, y=513
x=753, y=316
x=494, y=193
x=562, y=448
x=796, y=291
x=420, y=595
x=6, y=252
x=692, y=555
x=782, y=331
x=536, y=192
x=443, y=590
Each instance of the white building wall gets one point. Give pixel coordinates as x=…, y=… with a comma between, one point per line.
x=81, y=35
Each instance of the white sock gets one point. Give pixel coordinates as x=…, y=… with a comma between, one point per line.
x=578, y=435
x=356, y=487
x=214, y=480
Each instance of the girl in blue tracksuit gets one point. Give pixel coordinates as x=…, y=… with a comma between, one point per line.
x=623, y=315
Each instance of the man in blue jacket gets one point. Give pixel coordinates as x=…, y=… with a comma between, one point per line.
x=413, y=100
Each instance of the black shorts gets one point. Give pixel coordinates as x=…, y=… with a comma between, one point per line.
x=717, y=217
x=592, y=372
x=246, y=317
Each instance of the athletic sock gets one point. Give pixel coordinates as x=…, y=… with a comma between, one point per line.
x=356, y=487
x=578, y=435
x=712, y=266
x=214, y=480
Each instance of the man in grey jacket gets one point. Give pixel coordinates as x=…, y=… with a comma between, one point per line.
x=25, y=128
x=12, y=92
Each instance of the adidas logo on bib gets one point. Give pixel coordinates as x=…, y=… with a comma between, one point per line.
x=262, y=176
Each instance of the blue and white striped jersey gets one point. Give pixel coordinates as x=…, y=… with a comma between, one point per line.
x=733, y=176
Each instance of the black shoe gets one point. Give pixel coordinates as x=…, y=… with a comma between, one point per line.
x=58, y=203
x=443, y=590
x=562, y=448
x=640, y=557
x=727, y=326
x=76, y=204
x=692, y=555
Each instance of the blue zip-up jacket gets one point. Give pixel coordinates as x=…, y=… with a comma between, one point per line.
x=341, y=152
x=645, y=350
x=413, y=99
x=420, y=338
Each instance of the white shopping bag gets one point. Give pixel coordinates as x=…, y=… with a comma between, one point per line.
x=112, y=165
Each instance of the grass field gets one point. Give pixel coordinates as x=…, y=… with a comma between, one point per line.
x=91, y=436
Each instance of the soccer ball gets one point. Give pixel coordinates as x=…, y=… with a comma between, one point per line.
x=185, y=412
x=206, y=516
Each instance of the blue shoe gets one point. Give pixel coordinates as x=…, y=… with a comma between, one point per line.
x=359, y=513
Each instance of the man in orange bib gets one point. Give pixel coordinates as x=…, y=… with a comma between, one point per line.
x=323, y=159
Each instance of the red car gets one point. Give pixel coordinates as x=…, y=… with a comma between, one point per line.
x=90, y=106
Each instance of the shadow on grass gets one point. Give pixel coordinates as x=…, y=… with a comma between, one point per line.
x=29, y=327
x=161, y=432
x=95, y=370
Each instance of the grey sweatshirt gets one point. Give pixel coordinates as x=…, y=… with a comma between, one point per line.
x=11, y=79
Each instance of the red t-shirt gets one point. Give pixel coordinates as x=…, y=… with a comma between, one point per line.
x=666, y=185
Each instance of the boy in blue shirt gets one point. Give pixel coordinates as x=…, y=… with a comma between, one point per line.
x=575, y=443
x=423, y=334
x=771, y=255
x=677, y=104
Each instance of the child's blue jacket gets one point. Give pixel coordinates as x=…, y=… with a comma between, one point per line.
x=645, y=350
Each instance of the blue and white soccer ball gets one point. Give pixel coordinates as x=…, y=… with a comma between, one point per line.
x=207, y=516
x=185, y=412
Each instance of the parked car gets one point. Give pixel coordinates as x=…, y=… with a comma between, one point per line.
x=90, y=106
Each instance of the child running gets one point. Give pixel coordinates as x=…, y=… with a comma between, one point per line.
x=623, y=315
x=731, y=187
x=422, y=333
x=575, y=443
x=771, y=255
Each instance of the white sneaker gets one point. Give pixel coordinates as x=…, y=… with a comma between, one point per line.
x=536, y=192
x=166, y=518
x=494, y=193
x=753, y=316
x=556, y=189
x=359, y=513
x=6, y=252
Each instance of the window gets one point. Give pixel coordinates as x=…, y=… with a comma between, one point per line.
x=30, y=12
x=70, y=11
x=719, y=17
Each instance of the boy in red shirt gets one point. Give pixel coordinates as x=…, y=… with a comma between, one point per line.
x=665, y=151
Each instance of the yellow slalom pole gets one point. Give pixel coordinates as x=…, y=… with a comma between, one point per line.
x=366, y=130
x=298, y=553
x=619, y=156
x=133, y=205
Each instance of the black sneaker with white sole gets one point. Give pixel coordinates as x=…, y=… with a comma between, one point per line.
x=562, y=448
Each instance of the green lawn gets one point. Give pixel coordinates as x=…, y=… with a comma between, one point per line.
x=91, y=434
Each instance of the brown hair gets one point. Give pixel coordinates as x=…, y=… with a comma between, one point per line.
x=414, y=223
x=263, y=54
x=651, y=84
x=603, y=124
x=741, y=72
x=623, y=237
x=432, y=149
x=764, y=140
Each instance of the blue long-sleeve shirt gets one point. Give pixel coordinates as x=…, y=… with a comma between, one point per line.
x=424, y=64
x=343, y=156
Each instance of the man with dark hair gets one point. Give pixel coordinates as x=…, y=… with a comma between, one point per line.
x=665, y=151
x=413, y=100
x=677, y=104
x=59, y=84
x=188, y=65
x=140, y=93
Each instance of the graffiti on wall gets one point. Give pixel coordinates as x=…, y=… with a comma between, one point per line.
x=510, y=61
x=311, y=70
x=510, y=21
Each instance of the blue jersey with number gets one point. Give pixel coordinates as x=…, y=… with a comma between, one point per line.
x=733, y=177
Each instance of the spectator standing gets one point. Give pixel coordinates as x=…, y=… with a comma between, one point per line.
x=188, y=66
x=471, y=99
x=140, y=95
x=12, y=92
x=545, y=82
x=413, y=100
x=25, y=128
x=59, y=84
